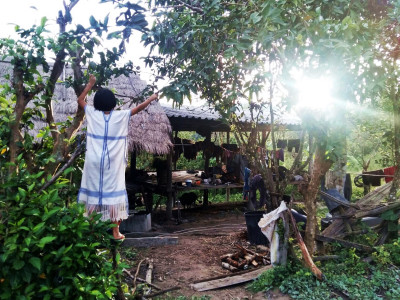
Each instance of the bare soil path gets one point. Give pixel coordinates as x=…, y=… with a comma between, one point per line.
x=205, y=234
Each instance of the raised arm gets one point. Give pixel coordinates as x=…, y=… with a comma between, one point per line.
x=88, y=87
x=144, y=104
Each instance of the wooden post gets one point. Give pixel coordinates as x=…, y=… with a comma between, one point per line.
x=228, y=139
x=228, y=194
x=170, y=196
x=206, y=166
x=173, y=149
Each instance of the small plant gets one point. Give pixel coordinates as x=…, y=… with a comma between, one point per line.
x=348, y=275
x=129, y=253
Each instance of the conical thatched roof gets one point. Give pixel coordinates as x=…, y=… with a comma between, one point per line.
x=150, y=131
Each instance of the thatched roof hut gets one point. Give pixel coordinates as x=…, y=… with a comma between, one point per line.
x=149, y=130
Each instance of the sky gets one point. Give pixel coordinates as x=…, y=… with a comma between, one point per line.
x=26, y=13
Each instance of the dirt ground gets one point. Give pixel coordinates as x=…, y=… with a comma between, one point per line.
x=204, y=235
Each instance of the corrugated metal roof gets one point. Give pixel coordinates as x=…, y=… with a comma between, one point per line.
x=202, y=113
x=208, y=113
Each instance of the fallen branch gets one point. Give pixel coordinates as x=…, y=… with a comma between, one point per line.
x=149, y=274
x=307, y=258
x=136, y=274
x=141, y=280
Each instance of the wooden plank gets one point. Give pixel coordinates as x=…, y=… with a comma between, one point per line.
x=228, y=281
x=377, y=211
x=347, y=204
x=149, y=241
x=344, y=243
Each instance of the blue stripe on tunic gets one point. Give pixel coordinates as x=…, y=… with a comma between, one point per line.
x=101, y=137
x=104, y=194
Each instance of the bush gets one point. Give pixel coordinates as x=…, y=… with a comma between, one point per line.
x=348, y=275
x=49, y=251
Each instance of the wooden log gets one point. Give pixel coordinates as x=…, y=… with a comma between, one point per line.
x=344, y=243
x=232, y=262
x=150, y=241
x=307, y=258
x=257, y=256
x=249, y=258
x=149, y=272
x=238, y=255
x=225, y=256
x=227, y=266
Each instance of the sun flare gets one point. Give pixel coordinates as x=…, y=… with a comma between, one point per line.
x=314, y=93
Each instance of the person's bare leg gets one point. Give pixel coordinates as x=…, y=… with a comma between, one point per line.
x=116, y=234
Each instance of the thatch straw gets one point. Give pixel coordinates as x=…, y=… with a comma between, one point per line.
x=150, y=131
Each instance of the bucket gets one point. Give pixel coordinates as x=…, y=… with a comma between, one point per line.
x=254, y=234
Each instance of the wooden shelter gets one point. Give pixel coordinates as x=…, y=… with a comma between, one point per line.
x=204, y=121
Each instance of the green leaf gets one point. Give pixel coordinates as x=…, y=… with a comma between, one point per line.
x=18, y=264
x=43, y=21
x=38, y=227
x=22, y=192
x=46, y=240
x=35, y=261
x=47, y=215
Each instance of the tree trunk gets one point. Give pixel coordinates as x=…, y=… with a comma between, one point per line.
x=396, y=116
x=20, y=105
x=320, y=167
x=367, y=187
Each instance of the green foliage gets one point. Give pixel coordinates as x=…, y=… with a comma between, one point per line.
x=49, y=251
x=388, y=254
x=348, y=275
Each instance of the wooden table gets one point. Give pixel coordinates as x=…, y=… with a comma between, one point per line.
x=180, y=177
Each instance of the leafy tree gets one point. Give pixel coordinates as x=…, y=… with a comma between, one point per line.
x=34, y=78
x=233, y=52
x=49, y=249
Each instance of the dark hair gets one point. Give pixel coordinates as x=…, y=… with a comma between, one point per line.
x=104, y=100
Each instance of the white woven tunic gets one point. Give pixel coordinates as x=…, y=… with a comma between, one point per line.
x=103, y=180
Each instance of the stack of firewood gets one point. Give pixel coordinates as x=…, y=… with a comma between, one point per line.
x=243, y=259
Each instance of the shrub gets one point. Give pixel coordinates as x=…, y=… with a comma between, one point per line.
x=49, y=251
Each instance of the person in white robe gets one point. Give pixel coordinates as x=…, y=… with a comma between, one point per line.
x=103, y=180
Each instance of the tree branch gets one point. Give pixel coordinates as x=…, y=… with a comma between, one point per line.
x=194, y=8
x=74, y=155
